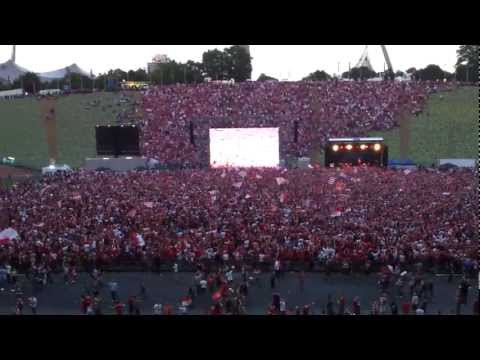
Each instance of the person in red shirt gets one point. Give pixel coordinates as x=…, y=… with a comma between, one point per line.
x=406, y=307
x=118, y=307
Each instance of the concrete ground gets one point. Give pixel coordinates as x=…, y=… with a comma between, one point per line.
x=167, y=288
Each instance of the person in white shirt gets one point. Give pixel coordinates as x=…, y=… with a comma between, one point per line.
x=283, y=306
x=157, y=309
x=33, y=304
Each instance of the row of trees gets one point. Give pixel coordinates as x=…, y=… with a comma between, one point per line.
x=234, y=63
x=230, y=63
x=466, y=70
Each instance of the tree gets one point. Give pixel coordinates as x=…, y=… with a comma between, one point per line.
x=467, y=63
x=399, y=73
x=30, y=82
x=360, y=73
x=411, y=70
x=317, y=76
x=264, y=77
x=432, y=72
x=214, y=63
x=239, y=63
x=231, y=63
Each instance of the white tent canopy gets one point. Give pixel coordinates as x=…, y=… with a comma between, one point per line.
x=61, y=73
x=9, y=71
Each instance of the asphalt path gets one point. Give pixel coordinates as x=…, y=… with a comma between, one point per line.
x=167, y=288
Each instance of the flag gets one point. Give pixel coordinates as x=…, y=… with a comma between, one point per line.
x=217, y=295
x=283, y=197
x=132, y=213
x=76, y=196
x=242, y=173
x=237, y=185
x=446, y=193
x=247, y=196
x=258, y=176
x=148, y=204
x=331, y=180
x=281, y=181
x=407, y=171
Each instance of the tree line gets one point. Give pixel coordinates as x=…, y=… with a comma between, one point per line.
x=232, y=63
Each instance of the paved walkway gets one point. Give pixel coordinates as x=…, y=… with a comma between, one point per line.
x=164, y=288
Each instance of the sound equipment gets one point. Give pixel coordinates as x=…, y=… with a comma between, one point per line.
x=122, y=140
x=192, y=137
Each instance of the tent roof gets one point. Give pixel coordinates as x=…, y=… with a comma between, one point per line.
x=9, y=71
x=60, y=73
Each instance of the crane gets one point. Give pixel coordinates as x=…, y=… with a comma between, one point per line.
x=387, y=60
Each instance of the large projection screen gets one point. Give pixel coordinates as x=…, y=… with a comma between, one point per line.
x=244, y=147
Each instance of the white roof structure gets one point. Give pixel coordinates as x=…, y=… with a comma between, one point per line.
x=61, y=73
x=9, y=71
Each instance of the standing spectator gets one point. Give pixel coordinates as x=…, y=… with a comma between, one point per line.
x=131, y=305
x=415, y=301
x=272, y=281
x=330, y=310
x=394, y=308
x=341, y=305
x=406, y=307
x=113, y=286
x=32, y=301
x=19, y=306
x=118, y=307
x=356, y=306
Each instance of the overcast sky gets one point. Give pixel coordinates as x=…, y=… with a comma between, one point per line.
x=290, y=62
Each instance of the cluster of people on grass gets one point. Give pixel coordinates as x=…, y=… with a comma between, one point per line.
x=344, y=219
x=321, y=110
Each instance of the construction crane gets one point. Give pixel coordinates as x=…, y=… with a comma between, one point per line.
x=387, y=60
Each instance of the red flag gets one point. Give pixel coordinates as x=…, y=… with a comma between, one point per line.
x=217, y=295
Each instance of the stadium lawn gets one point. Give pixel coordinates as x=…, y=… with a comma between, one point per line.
x=23, y=137
x=446, y=129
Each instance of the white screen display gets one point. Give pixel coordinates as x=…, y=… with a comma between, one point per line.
x=244, y=147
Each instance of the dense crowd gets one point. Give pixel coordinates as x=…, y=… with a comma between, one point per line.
x=322, y=110
x=349, y=219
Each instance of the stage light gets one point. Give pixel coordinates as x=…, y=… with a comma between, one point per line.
x=349, y=147
x=363, y=147
x=335, y=147
x=377, y=147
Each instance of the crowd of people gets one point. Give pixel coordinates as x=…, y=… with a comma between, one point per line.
x=321, y=110
x=348, y=219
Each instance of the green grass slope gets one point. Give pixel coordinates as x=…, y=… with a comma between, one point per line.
x=448, y=128
x=23, y=136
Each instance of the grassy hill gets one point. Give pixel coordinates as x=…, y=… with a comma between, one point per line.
x=447, y=129
x=23, y=137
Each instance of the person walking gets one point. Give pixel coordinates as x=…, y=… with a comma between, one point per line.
x=32, y=302
x=272, y=281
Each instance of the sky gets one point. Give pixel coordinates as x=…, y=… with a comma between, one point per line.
x=290, y=62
